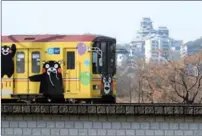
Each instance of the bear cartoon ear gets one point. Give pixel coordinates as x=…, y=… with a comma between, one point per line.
x=60, y=62
x=43, y=62
x=13, y=47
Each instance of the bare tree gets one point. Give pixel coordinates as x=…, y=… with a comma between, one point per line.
x=142, y=86
x=178, y=81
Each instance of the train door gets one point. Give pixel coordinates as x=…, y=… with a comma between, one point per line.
x=21, y=84
x=71, y=71
x=34, y=69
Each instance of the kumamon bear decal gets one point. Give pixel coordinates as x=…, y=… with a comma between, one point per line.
x=51, y=80
x=107, y=84
x=7, y=63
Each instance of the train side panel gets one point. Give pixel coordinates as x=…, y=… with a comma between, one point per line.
x=7, y=85
x=96, y=86
x=28, y=61
x=75, y=65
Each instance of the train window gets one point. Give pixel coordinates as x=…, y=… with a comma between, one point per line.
x=96, y=69
x=95, y=63
x=36, y=62
x=71, y=60
x=20, y=62
x=103, y=46
x=112, y=57
x=105, y=55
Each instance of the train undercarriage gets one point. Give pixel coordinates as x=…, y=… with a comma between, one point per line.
x=39, y=98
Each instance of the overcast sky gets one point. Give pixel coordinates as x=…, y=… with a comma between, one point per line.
x=117, y=19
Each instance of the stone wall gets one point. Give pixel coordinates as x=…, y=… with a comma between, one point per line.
x=46, y=125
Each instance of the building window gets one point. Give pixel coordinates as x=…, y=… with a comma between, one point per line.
x=71, y=60
x=154, y=55
x=36, y=62
x=177, y=48
x=20, y=62
x=165, y=48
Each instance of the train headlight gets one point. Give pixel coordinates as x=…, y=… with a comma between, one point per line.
x=95, y=87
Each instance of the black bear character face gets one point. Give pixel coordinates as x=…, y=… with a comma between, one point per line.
x=6, y=50
x=7, y=54
x=51, y=67
x=107, y=80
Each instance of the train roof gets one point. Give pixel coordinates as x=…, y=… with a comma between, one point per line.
x=54, y=38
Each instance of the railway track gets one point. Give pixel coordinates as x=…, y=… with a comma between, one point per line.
x=100, y=109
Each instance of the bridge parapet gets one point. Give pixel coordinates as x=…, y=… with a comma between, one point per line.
x=104, y=109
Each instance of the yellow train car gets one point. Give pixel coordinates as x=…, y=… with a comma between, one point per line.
x=58, y=68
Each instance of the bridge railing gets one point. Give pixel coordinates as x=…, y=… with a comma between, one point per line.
x=104, y=109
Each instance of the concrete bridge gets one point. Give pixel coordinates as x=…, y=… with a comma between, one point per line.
x=102, y=120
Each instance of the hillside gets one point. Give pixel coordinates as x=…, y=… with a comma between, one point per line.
x=195, y=42
x=194, y=46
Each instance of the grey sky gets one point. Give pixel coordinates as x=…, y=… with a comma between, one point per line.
x=117, y=19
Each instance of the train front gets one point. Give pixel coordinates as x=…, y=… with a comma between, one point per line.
x=104, y=68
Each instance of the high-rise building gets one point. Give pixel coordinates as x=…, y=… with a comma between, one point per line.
x=157, y=49
x=122, y=55
x=183, y=51
x=163, y=31
x=175, y=48
x=144, y=43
